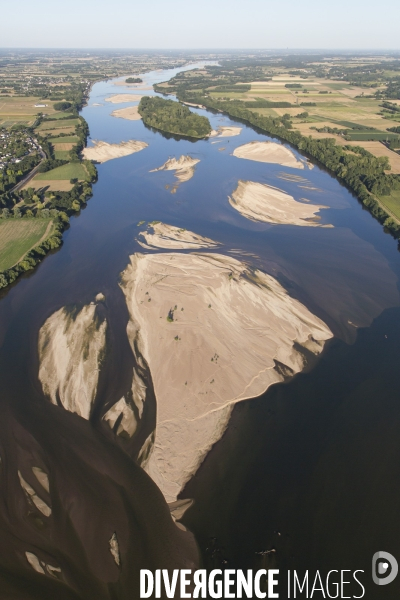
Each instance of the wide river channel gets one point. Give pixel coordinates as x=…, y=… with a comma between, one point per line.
x=307, y=476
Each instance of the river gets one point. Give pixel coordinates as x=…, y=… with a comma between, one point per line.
x=309, y=470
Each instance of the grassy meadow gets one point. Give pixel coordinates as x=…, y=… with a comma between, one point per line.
x=18, y=236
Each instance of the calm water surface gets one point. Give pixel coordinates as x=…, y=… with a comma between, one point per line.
x=311, y=469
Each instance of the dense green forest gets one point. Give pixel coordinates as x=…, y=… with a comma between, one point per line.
x=173, y=117
x=133, y=80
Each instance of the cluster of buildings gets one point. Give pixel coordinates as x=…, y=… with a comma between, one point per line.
x=10, y=141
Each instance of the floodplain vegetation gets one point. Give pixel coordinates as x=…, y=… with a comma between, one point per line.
x=173, y=117
x=42, y=175
x=343, y=111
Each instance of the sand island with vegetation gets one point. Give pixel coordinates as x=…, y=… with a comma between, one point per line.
x=261, y=202
x=213, y=332
x=173, y=117
x=268, y=152
x=103, y=151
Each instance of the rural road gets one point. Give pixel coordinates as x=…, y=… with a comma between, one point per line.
x=30, y=175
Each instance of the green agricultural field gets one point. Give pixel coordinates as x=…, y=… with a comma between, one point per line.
x=392, y=202
x=59, y=116
x=73, y=170
x=360, y=136
x=57, y=125
x=18, y=236
x=67, y=139
x=61, y=154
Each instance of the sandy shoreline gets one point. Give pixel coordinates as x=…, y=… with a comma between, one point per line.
x=161, y=235
x=131, y=113
x=213, y=332
x=268, y=152
x=261, y=202
x=121, y=98
x=102, y=151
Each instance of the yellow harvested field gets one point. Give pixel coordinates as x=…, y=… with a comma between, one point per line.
x=52, y=185
x=21, y=106
x=54, y=132
x=65, y=146
x=352, y=92
x=378, y=149
x=19, y=236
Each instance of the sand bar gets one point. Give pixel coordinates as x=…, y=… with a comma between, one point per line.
x=184, y=168
x=261, y=202
x=102, y=151
x=70, y=349
x=226, y=132
x=161, y=235
x=131, y=113
x=213, y=332
x=268, y=152
x=120, y=98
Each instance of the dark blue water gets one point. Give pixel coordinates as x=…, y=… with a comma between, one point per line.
x=348, y=275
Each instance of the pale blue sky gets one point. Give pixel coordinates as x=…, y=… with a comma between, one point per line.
x=348, y=24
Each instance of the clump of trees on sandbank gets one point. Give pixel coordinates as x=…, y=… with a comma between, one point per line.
x=173, y=117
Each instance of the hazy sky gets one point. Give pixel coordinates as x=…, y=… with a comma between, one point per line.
x=201, y=24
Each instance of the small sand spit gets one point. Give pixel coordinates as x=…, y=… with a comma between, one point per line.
x=215, y=332
x=121, y=98
x=268, y=152
x=131, y=113
x=183, y=167
x=123, y=413
x=174, y=238
x=70, y=349
x=261, y=202
x=226, y=132
x=102, y=151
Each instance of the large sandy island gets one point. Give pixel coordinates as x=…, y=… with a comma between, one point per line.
x=268, y=152
x=261, y=202
x=131, y=113
x=102, y=151
x=213, y=332
x=184, y=168
x=161, y=235
x=120, y=98
x=226, y=132
x=70, y=349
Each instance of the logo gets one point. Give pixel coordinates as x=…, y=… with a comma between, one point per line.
x=384, y=568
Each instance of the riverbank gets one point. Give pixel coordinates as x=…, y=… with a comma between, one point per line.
x=348, y=166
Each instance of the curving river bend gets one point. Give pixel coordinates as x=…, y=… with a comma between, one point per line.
x=309, y=469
